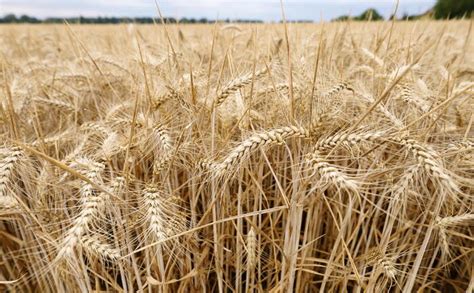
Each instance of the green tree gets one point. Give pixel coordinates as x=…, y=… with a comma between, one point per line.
x=369, y=14
x=9, y=18
x=342, y=18
x=453, y=8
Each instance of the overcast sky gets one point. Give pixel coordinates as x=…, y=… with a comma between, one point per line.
x=268, y=10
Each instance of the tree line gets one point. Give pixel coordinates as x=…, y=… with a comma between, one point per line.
x=443, y=9
x=11, y=18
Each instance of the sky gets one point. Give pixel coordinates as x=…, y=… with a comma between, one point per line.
x=267, y=10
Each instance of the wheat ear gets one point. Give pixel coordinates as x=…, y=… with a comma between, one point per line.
x=67, y=134
x=431, y=162
x=155, y=212
x=330, y=173
x=383, y=263
x=55, y=103
x=348, y=139
x=277, y=88
x=163, y=213
x=443, y=224
x=91, y=205
x=410, y=96
x=161, y=134
x=256, y=141
x=251, y=250
x=8, y=202
x=99, y=247
x=387, y=264
x=95, y=127
x=6, y=168
x=372, y=56
x=336, y=89
x=237, y=84
x=383, y=110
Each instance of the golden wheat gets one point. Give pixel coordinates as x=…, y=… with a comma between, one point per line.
x=223, y=158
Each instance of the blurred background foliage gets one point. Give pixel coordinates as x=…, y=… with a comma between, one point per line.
x=443, y=9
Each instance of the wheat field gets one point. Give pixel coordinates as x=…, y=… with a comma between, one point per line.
x=333, y=157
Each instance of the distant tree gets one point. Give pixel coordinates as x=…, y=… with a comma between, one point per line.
x=342, y=18
x=28, y=19
x=369, y=14
x=53, y=20
x=407, y=16
x=453, y=8
x=9, y=18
